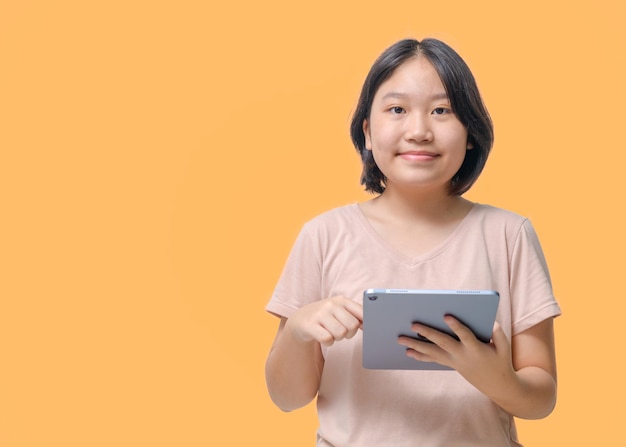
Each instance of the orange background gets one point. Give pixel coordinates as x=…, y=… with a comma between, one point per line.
x=158, y=159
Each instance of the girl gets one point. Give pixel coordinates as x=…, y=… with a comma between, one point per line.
x=424, y=136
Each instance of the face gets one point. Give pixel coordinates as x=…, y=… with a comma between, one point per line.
x=415, y=138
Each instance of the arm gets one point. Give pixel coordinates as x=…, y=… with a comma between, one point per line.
x=534, y=361
x=519, y=377
x=293, y=370
x=294, y=365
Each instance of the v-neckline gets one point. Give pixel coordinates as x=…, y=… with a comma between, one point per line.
x=401, y=257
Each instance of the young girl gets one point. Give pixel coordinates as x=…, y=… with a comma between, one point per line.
x=424, y=136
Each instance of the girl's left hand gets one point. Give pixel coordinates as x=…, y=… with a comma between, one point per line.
x=481, y=364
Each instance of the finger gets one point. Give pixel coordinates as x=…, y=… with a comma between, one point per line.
x=327, y=340
x=417, y=345
x=355, y=308
x=422, y=350
x=334, y=327
x=419, y=356
x=498, y=337
x=349, y=322
x=460, y=330
x=350, y=313
x=322, y=336
x=437, y=337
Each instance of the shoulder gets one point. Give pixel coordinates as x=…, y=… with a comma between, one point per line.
x=334, y=229
x=494, y=220
x=497, y=216
x=334, y=219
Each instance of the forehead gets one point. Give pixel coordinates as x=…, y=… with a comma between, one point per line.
x=414, y=77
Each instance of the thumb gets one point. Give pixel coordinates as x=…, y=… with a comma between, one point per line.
x=498, y=337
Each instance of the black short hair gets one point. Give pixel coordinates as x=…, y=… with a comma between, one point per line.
x=465, y=101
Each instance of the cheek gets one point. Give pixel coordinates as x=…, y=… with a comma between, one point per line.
x=381, y=139
x=457, y=138
x=380, y=132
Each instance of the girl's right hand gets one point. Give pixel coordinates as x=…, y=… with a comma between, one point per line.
x=326, y=321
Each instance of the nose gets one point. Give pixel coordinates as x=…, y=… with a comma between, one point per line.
x=417, y=128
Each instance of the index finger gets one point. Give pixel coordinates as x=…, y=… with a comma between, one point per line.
x=355, y=309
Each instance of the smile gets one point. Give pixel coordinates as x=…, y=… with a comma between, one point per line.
x=418, y=155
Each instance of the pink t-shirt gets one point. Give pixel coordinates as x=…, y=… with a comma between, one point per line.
x=340, y=253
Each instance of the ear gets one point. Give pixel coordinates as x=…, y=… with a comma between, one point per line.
x=470, y=145
x=366, y=133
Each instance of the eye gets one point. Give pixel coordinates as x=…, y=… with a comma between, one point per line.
x=441, y=111
x=396, y=110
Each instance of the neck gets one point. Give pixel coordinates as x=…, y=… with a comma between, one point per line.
x=421, y=205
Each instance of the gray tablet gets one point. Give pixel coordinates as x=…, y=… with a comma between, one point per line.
x=388, y=313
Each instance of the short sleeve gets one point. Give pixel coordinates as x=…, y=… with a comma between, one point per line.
x=300, y=280
x=532, y=296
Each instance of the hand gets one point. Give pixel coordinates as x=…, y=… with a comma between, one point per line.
x=482, y=364
x=326, y=321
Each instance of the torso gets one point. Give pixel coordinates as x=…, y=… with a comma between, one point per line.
x=350, y=249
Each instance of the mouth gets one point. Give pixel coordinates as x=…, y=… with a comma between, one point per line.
x=418, y=155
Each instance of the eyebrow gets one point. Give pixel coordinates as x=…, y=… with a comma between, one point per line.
x=400, y=95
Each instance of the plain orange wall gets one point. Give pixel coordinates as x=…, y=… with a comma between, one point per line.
x=159, y=157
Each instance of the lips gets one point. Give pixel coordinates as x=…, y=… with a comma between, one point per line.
x=418, y=155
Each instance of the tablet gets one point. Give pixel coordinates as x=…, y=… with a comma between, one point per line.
x=389, y=313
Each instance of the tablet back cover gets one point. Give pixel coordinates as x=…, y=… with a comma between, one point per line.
x=388, y=313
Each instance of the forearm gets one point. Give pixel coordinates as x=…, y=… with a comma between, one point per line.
x=529, y=393
x=293, y=371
